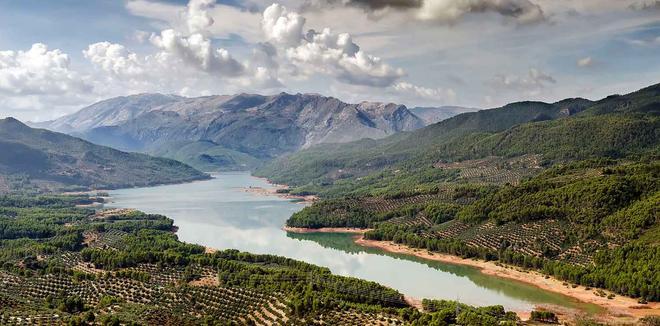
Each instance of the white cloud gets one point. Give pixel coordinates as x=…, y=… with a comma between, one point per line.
x=437, y=95
x=114, y=58
x=585, y=62
x=281, y=26
x=531, y=84
x=196, y=51
x=198, y=18
x=40, y=84
x=162, y=12
x=325, y=52
x=183, y=63
x=180, y=51
x=213, y=20
x=38, y=71
x=141, y=36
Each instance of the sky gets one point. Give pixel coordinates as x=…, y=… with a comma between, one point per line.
x=57, y=57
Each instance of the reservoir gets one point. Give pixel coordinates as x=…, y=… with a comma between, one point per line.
x=220, y=213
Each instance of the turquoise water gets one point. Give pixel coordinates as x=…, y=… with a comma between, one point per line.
x=218, y=213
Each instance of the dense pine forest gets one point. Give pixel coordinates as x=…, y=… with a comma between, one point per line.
x=570, y=189
x=539, y=134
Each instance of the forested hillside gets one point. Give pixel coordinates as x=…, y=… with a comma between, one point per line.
x=65, y=265
x=593, y=223
x=574, y=196
x=41, y=160
x=615, y=127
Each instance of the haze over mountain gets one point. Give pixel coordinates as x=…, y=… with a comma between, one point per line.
x=231, y=132
x=49, y=160
x=432, y=115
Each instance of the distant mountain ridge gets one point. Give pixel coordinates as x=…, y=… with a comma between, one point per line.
x=107, y=113
x=53, y=161
x=231, y=132
x=432, y=115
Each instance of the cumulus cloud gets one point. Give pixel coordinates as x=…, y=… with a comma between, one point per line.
x=325, y=52
x=196, y=51
x=40, y=84
x=531, y=84
x=198, y=18
x=38, y=71
x=438, y=95
x=114, y=58
x=281, y=26
x=184, y=60
x=208, y=18
x=585, y=62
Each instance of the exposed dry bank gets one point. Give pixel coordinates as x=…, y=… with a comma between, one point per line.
x=619, y=308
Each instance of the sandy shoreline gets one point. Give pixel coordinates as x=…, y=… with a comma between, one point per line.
x=623, y=309
x=274, y=192
x=619, y=309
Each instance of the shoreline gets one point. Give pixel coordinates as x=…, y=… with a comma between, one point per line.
x=274, y=192
x=324, y=230
x=619, y=308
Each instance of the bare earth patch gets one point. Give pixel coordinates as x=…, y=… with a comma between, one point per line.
x=205, y=281
x=113, y=212
x=617, y=309
x=274, y=192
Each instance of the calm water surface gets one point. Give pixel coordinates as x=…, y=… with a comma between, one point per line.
x=218, y=213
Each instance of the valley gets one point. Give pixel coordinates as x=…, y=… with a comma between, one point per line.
x=579, y=209
x=478, y=218
x=251, y=222
x=322, y=163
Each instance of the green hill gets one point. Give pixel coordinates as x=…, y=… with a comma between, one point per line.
x=592, y=223
x=569, y=189
x=52, y=161
x=206, y=155
x=63, y=265
x=615, y=127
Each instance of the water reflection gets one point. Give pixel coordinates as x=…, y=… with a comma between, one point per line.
x=522, y=291
x=219, y=213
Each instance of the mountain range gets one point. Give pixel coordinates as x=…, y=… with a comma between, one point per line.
x=51, y=161
x=238, y=131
